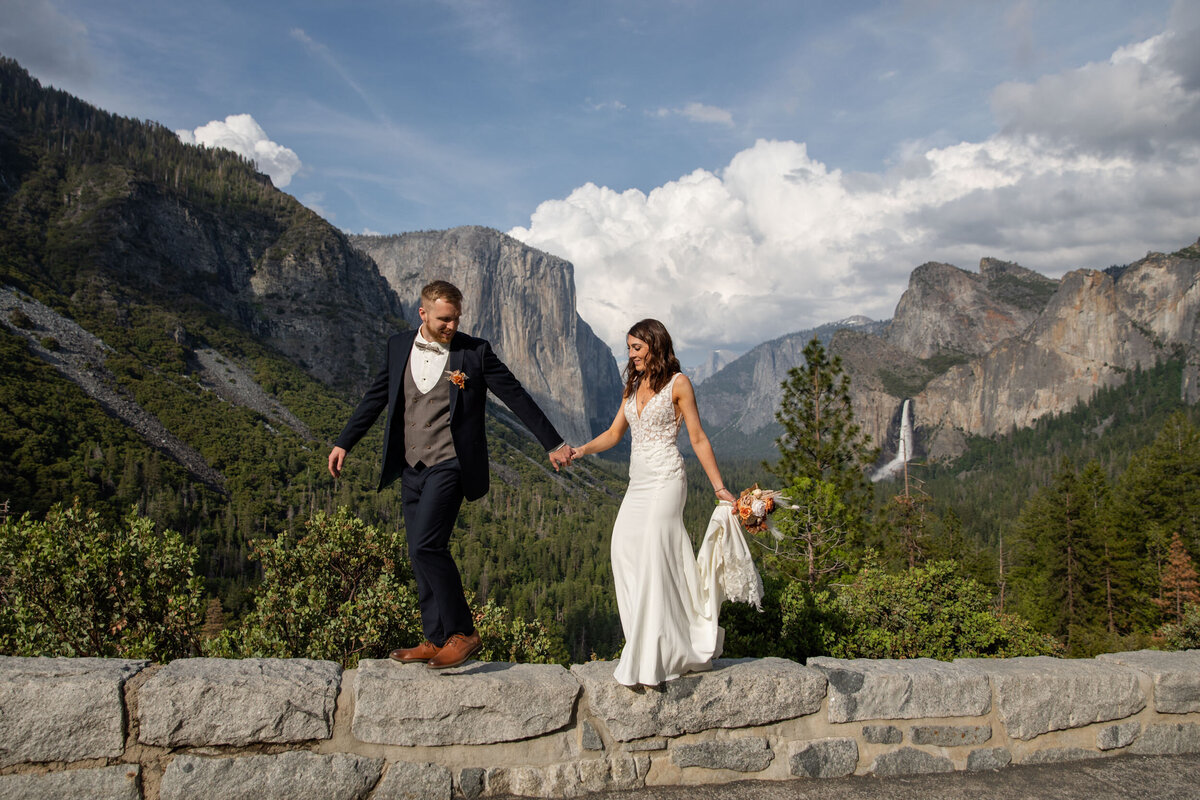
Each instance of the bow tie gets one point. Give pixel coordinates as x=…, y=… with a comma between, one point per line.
x=429, y=346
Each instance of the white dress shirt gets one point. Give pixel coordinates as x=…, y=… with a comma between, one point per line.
x=427, y=366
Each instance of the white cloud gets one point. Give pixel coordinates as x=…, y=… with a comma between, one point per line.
x=698, y=112
x=1093, y=167
x=315, y=201
x=1145, y=98
x=610, y=105
x=241, y=134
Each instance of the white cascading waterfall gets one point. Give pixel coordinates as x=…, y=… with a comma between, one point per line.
x=903, y=450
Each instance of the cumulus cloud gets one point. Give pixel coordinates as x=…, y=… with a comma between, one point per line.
x=241, y=134
x=1145, y=98
x=1091, y=167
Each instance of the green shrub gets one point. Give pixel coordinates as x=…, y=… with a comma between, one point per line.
x=73, y=586
x=340, y=592
x=20, y=319
x=1184, y=634
x=514, y=639
x=343, y=591
x=926, y=612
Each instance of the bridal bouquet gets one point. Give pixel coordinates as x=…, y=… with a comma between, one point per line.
x=754, y=508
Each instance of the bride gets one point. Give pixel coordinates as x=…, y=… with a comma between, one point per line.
x=668, y=613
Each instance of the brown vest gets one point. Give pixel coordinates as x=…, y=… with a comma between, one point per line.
x=427, y=437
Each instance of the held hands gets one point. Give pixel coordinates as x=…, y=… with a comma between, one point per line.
x=562, y=457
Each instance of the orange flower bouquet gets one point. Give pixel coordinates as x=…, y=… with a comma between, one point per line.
x=754, y=507
x=458, y=378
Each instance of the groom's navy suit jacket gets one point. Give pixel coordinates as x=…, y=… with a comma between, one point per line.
x=484, y=372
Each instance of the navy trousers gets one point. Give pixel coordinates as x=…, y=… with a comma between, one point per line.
x=431, y=498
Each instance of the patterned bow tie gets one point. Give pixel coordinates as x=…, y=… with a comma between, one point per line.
x=431, y=347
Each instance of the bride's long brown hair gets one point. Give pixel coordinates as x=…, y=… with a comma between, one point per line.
x=661, y=362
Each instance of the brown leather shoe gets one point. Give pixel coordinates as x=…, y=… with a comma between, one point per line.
x=422, y=652
x=457, y=649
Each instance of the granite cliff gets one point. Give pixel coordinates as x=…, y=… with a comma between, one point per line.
x=947, y=309
x=980, y=353
x=288, y=277
x=521, y=300
x=1093, y=331
x=739, y=401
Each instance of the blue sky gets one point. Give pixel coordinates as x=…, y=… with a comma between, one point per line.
x=738, y=169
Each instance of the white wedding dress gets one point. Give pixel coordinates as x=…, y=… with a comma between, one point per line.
x=669, y=600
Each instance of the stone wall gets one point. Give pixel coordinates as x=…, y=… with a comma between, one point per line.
x=266, y=728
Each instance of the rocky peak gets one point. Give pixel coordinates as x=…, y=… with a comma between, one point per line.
x=949, y=310
x=520, y=299
x=715, y=362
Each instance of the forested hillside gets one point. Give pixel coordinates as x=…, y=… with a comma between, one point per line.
x=76, y=184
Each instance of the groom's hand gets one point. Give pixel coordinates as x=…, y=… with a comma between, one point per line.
x=562, y=456
x=337, y=457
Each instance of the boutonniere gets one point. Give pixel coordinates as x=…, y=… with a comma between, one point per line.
x=458, y=378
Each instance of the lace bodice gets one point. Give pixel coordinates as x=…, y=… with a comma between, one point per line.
x=654, y=431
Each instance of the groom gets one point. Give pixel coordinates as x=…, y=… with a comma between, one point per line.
x=434, y=385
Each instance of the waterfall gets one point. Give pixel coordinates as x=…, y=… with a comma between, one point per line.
x=903, y=450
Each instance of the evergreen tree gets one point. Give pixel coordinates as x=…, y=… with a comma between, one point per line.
x=1181, y=585
x=1156, y=497
x=1110, y=560
x=823, y=457
x=1052, y=545
x=811, y=539
x=820, y=439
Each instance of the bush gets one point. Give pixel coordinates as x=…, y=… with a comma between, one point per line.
x=506, y=638
x=344, y=590
x=20, y=319
x=72, y=586
x=750, y=633
x=338, y=592
x=926, y=612
x=1185, y=634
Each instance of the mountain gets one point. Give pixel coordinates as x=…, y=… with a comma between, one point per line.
x=119, y=209
x=717, y=360
x=980, y=353
x=1093, y=332
x=950, y=310
x=117, y=220
x=523, y=301
x=180, y=337
x=738, y=402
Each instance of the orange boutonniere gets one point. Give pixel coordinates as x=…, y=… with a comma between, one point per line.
x=458, y=378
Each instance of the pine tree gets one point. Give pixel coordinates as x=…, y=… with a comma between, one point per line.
x=823, y=457
x=811, y=540
x=1052, y=545
x=820, y=439
x=1157, y=497
x=1181, y=585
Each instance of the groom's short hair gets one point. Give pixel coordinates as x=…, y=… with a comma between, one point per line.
x=441, y=290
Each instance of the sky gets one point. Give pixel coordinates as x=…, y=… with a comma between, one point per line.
x=739, y=170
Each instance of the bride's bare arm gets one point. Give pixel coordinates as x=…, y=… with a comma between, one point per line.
x=684, y=397
x=609, y=438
